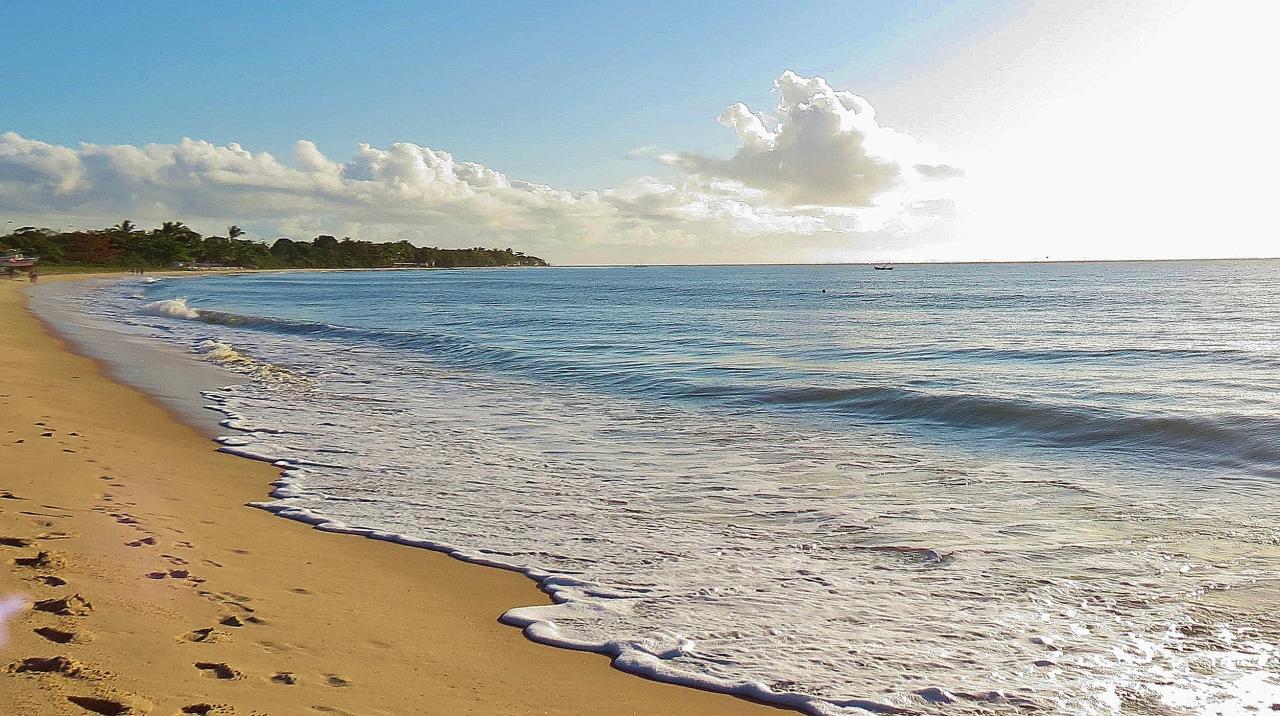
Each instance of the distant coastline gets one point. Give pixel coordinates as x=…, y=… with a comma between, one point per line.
x=174, y=245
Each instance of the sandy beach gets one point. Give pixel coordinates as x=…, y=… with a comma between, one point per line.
x=155, y=589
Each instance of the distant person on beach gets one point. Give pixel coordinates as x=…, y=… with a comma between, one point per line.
x=32, y=275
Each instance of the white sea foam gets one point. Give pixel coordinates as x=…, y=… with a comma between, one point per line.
x=171, y=308
x=729, y=573
x=267, y=374
x=222, y=352
x=829, y=571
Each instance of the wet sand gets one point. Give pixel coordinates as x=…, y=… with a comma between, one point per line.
x=154, y=589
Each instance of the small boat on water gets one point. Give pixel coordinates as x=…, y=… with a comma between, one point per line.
x=883, y=268
x=16, y=260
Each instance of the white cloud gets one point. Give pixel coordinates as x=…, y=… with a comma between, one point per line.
x=819, y=178
x=822, y=147
x=38, y=167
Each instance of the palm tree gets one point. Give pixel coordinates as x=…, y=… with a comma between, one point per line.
x=234, y=232
x=173, y=241
x=174, y=228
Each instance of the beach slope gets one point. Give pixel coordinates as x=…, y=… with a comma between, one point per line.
x=152, y=588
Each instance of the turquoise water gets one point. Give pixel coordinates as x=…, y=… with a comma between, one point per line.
x=961, y=488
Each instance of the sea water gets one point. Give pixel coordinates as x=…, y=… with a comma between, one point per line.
x=1049, y=488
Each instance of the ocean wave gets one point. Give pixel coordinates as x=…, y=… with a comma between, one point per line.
x=1216, y=438
x=226, y=355
x=441, y=344
x=491, y=355
x=171, y=308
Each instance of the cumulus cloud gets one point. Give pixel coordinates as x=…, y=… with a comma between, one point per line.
x=821, y=167
x=821, y=147
x=404, y=183
x=36, y=166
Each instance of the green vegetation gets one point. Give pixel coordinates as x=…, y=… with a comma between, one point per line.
x=174, y=244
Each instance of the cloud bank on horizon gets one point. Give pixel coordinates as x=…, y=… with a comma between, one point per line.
x=816, y=173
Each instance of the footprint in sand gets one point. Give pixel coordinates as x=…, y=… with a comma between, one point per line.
x=235, y=621
x=72, y=606
x=148, y=540
x=42, y=560
x=60, y=665
x=208, y=635
x=218, y=670
x=16, y=542
x=336, y=681
x=51, y=580
x=62, y=636
x=207, y=709
x=175, y=574
x=285, y=677
x=106, y=707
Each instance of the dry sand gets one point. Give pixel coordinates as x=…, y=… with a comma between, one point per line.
x=156, y=590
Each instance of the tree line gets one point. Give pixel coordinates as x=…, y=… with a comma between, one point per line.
x=174, y=243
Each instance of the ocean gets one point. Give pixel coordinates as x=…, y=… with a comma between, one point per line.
x=952, y=489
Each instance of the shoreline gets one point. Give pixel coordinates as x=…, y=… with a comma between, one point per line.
x=166, y=376
x=189, y=598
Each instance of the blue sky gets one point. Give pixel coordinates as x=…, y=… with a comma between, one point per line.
x=656, y=132
x=557, y=93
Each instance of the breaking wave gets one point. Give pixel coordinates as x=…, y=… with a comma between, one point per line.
x=171, y=308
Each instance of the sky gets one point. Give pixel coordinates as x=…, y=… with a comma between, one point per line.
x=656, y=132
